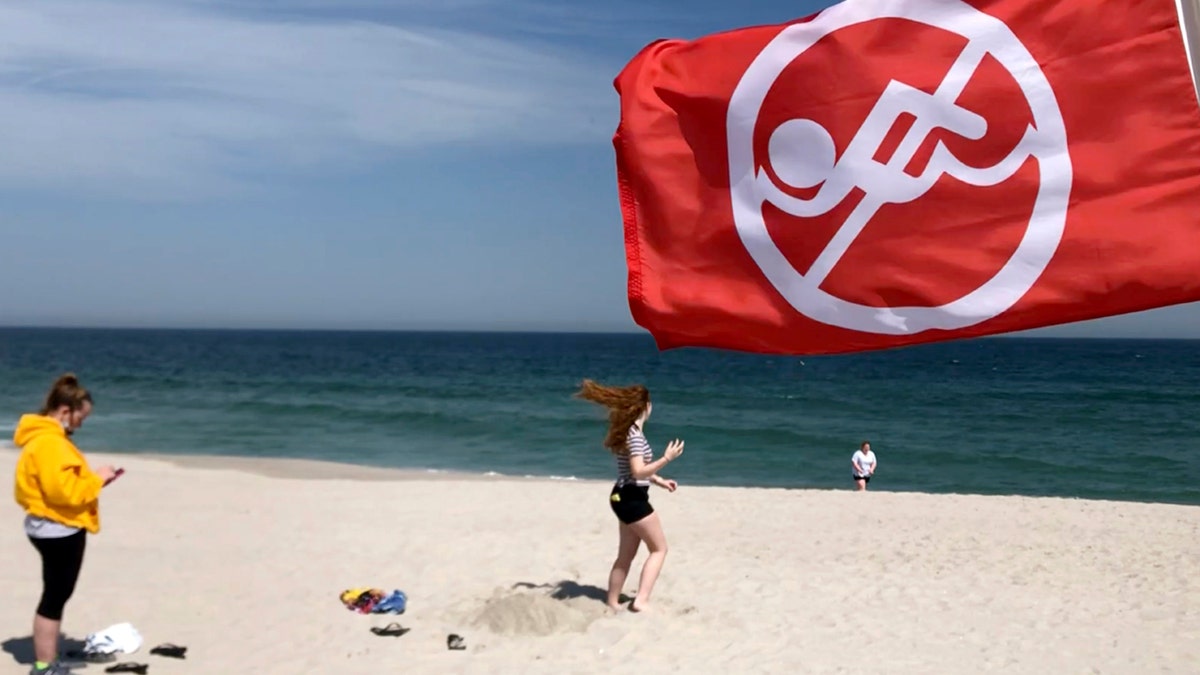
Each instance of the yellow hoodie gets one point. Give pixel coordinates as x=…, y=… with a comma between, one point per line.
x=53, y=479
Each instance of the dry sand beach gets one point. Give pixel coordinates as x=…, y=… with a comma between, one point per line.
x=243, y=560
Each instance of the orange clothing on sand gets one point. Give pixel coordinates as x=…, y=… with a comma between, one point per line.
x=53, y=480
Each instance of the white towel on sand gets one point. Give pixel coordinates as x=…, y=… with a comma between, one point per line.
x=121, y=637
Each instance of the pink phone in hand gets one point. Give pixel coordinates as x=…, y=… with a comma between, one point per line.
x=117, y=474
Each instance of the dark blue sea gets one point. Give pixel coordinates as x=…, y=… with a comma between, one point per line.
x=1107, y=419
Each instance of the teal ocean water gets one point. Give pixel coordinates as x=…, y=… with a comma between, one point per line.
x=1109, y=419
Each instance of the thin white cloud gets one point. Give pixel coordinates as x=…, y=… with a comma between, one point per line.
x=185, y=98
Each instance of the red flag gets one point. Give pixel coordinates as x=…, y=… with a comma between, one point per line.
x=889, y=172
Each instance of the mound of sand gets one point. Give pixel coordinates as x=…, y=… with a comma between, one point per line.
x=539, y=610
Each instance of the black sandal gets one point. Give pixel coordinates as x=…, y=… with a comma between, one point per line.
x=390, y=630
x=170, y=650
x=455, y=642
x=90, y=657
x=128, y=667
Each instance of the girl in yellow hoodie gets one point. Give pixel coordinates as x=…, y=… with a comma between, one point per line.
x=61, y=498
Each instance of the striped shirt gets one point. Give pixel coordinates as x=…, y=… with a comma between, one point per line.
x=636, y=444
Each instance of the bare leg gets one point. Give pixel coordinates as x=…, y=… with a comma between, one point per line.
x=862, y=484
x=45, y=638
x=626, y=551
x=649, y=530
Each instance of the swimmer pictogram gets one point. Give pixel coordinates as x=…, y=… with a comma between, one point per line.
x=802, y=154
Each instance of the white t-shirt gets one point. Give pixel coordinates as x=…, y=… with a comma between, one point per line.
x=44, y=528
x=864, y=460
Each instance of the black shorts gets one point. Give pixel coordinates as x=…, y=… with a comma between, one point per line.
x=630, y=503
x=865, y=479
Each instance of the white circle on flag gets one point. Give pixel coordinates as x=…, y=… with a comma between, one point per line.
x=802, y=155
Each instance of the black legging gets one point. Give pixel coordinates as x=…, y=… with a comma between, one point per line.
x=62, y=559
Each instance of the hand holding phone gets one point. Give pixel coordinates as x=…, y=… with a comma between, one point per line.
x=116, y=474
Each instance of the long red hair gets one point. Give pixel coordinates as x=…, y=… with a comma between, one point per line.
x=625, y=405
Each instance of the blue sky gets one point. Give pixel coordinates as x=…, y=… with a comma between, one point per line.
x=401, y=164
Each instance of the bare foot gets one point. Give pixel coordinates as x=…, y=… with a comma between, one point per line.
x=636, y=607
x=612, y=607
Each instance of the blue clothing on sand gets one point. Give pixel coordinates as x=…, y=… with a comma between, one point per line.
x=394, y=603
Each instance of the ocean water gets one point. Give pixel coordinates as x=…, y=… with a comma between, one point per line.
x=1108, y=419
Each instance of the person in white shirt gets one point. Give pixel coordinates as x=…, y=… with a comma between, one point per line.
x=862, y=466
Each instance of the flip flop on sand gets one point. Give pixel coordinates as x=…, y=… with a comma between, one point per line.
x=170, y=650
x=128, y=667
x=455, y=642
x=392, y=629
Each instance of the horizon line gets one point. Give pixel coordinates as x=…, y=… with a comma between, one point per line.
x=265, y=329
x=510, y=331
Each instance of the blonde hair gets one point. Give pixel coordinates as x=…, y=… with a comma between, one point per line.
x=625, y=405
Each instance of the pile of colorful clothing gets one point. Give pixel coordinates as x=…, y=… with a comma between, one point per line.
x=374, y=601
